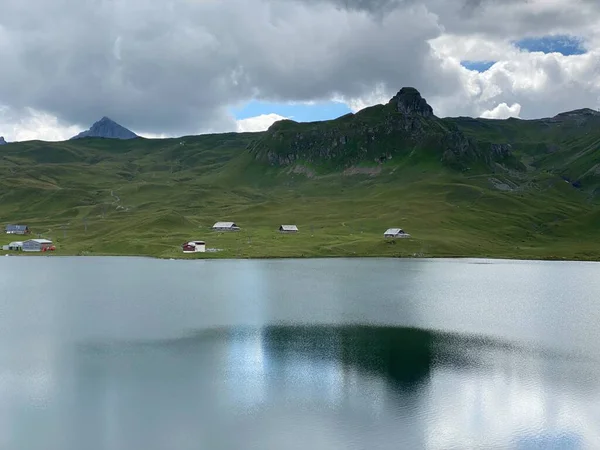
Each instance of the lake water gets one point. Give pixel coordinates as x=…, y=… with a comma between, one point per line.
x=132, y=353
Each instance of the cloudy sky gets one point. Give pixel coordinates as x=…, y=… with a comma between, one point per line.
x=175, y=67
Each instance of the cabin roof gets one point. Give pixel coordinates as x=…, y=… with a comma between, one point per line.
x=16, y=227
x=224, y=225
x=394, y=231
x=289, y=227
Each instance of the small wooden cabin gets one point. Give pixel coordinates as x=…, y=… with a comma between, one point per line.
x=225, y=226
x=288, y=229
x=395, y=233
x=194, y=247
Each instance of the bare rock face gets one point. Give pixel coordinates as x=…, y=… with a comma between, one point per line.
x=409, y=101
x=501, y=150
x=2, y=141
x=107, y=128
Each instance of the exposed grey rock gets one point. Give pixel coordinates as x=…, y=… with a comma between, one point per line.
x=457, y=149
x=2, y=141
x=500, y=151
x=107, y=128
x=409, y=101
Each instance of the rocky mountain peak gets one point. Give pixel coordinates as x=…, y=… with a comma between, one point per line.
x=2, y=141
x=107, y=128
x=583, y=112
x=409, y=101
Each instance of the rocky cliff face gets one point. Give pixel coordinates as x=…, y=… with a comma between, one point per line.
x=107, y=128
x=2, y=141
x=409, y=101
x=403, y=128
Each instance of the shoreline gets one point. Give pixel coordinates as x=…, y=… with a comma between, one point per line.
x=241, y=258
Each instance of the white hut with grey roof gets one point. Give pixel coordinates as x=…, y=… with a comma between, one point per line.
x=15, y=246
x=288, y=229
x=395, y=233
x=225, y=226
x=37, y=245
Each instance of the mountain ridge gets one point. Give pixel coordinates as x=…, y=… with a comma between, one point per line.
x=460, y=186
x=403, y=128
x=406, y=131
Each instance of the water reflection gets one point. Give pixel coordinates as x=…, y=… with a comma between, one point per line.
x=335, y=387
x=283, y=386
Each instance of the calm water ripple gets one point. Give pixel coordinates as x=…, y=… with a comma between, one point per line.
x=132, y=353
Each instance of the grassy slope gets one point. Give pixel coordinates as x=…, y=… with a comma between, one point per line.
x=146, y=197
x=570, y=148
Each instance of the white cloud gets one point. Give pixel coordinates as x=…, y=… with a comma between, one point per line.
x=258, y=123
x=502, y=111
x=379, y=94
x=535, y=84
x=179, y=67
x=472, y=48
x=30, y=124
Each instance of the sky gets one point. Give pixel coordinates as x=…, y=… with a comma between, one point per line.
x=178, y=67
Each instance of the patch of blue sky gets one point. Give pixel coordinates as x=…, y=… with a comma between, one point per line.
x=300, y=112
x=567, y=45
x=478, y=66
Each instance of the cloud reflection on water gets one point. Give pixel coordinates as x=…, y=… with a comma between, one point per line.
x=289, y=386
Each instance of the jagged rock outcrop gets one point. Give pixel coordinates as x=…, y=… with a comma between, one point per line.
x=409, y=101
x=457, y=150
x=501, y=151
x=403, y=128
x=107, y=128
x=2, y=141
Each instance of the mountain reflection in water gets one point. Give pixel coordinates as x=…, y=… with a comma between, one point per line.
x=348, y=386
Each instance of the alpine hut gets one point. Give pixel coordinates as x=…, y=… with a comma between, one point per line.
x=288, y=229
x=395, y=233
x=225, y=226
x=15, y=246
x=194, y=247
x=17, y=229
x=38, y=245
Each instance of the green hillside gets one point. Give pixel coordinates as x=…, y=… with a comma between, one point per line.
x=459, y=186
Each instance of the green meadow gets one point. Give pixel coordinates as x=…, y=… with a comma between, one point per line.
x=146, y=197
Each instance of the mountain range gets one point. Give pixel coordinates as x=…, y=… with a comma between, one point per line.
x=2, y=141
x=406, y=129
x=460, y=186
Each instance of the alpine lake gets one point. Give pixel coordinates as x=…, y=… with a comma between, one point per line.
x=119, y=353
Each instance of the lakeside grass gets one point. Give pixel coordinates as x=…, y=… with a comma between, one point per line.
x=444, y=219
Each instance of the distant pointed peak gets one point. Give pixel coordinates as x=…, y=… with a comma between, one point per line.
x=409, y=101
x=2, y=141
x=107, y=128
